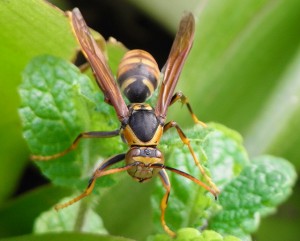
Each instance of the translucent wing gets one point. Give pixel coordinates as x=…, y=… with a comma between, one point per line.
x=172, y=69
x=98, y=64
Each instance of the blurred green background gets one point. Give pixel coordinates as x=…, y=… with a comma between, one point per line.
x=243, y=71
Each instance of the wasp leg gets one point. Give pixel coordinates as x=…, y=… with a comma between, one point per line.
x=186, y=141
x=91, y=134
x=98, y=173
x=186, y=175
x=184, y=100
x=164, y=202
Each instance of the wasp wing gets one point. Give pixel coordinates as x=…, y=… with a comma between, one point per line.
x=172, y=69
x=98, y=63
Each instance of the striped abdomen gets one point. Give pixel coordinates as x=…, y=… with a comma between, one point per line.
x=138, y=75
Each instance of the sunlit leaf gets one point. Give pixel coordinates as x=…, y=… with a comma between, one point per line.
x=220, y=150
x=58, y=103
x=191, y=234
x=255, y=193
x=78, y=217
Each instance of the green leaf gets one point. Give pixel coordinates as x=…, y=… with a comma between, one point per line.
x=263, y=183
x=225, y=153
x=78, y=217
x=58, y=103
x=191, y=234
x=261, y=186
x=30, y=205
x=221, y=150
x=282, y=110
x=67, y=236
x=27, y=28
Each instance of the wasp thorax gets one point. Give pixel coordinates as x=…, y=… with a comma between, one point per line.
x=138, y=75
x=143, y=158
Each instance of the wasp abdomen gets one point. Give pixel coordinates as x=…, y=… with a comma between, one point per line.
x=138, y=75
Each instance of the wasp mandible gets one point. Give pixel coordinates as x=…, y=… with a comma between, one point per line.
x=141, y=125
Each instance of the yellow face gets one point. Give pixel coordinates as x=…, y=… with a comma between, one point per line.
x=143, y=157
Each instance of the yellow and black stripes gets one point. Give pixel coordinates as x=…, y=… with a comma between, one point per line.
x=143, y=127
x=138, y=75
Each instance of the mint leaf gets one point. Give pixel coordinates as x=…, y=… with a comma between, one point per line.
x=191, y=234
x=225, y=153
x=249, y=189
x=58, y=103
x=78, y=217
x=220, y=150
x=255, y=193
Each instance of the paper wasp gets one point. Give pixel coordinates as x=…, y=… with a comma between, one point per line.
x=142, y=126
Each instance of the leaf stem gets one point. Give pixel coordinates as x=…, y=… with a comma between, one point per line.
x=81, y=215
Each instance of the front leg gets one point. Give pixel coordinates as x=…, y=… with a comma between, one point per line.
x=186, y=141
x=101, y=171
x=91, y=134
x=164, y=202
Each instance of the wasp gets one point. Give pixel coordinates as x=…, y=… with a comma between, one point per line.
x=141, y=125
